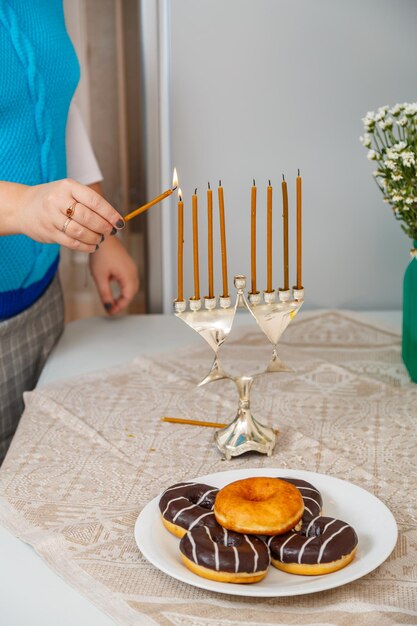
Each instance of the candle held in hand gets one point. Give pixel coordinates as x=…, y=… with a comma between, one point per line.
x=299, y=232
x=223, y=241
x=253, y=237
x=269, y=237
x=195, y=247
x=210, y=242
x=285, y=233
x=159, y=198
x=180, y=296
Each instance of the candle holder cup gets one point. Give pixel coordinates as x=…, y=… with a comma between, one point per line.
x=244, y=433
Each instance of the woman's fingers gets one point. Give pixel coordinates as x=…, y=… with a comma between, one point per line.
x=96, y=203
x=64, y=239
x=103, y=285
x=73, y=227
x=83, y=216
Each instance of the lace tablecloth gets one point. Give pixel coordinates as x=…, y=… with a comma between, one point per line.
x=90, y=453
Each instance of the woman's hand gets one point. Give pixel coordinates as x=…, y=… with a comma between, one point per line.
x=64, y=212
x=112, y=263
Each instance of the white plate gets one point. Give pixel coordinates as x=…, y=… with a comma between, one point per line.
x=374, y=524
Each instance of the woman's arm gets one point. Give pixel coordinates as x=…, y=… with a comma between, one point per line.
x=113, y=264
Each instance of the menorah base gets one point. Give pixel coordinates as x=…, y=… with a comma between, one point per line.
x=245, y=434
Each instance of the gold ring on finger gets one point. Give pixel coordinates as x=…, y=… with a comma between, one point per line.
x=65, y=226
x=71, y=210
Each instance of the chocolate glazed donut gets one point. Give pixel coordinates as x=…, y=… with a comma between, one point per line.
x=186, y=505
x=311, y=497
x=323, y=545
x=224, y=555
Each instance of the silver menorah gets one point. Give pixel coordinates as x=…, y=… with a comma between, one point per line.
x=214, y=324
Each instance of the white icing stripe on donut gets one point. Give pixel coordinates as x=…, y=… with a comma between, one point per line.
x=312, y=499
x=190, y=537
x=329, y=539
x=195, y=522
x=236, y=559
x=307, y=509
x=308, y=489
x=216, y=549
x=304, y=547
x=169, y=503
x=281, y=550
x=255, y=561
x=180, y=486
x=311, y=523
x=205, y=494
x=186, y=508
x=225, y=536
x=268, y=543
x=327, y=525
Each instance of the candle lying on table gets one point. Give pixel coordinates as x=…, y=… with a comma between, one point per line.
x=223, y=241
x=159, y=198
x=182, y=420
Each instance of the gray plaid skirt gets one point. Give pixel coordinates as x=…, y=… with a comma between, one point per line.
x=25, y=343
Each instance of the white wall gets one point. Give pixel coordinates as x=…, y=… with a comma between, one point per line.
x=261, y=87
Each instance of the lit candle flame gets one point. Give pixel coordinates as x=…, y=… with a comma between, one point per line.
x=175, y=179
x=179, y=194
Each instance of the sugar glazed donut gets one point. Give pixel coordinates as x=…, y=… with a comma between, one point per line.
x=225, y=556
x=186, y=505
x=259, y=506
x=311, y=496
x=322, y=546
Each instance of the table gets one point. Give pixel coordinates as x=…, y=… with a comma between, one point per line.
x=88, y=345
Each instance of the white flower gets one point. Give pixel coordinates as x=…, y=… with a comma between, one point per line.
x=382, y=111
x=408, y=158
x=402, y=121
x=399, y=146
x=372, y=156
x=391, y=165
x=397, y=198
x=365, y=140
x=392, y=154
x=410, y=201
x=381, y=181
x=388, y=123
x=396, y=109
x=411, y=109
x=369, y=120
x=397, y=177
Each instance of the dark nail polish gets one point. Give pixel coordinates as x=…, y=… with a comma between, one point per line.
x=113, y=231
x=102, y=239
x=97, y=247
x=108, y=306
x=120, y=223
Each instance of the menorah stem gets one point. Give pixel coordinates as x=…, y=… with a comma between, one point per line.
x=245, y=433
x=244, y=385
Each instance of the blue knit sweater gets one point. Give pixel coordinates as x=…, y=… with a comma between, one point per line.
x=38, y=75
